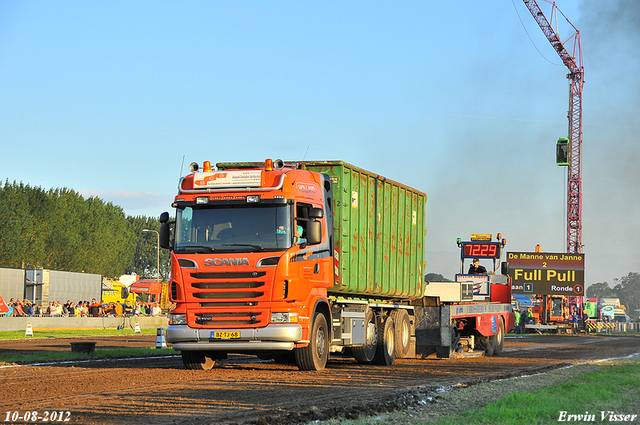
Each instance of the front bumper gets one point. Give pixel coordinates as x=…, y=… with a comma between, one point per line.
x=270, y=338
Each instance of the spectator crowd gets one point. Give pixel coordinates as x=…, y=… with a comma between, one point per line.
x=93, y=308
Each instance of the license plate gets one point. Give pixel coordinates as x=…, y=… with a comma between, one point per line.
x=225, y=334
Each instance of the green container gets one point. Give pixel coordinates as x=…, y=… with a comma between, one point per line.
x=379, y=234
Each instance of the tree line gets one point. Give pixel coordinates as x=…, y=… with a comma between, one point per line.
x=626, y=288
x=59, y=229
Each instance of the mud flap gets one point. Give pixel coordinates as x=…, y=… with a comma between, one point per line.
x=444, y=350
x=433, y=331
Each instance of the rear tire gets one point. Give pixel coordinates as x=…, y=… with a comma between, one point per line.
x=365, y=353
x=386, y=350
x=486, y=344
x=315, y=355
x=402, y=326
x=491, y=345
x=197, y=360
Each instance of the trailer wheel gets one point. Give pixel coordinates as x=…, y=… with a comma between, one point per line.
x=403, y=332
x=197, y=360
x=386, y=350
x=499, y=346
x=315, y=355
x=365, y=353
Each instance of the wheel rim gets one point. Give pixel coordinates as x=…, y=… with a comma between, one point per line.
x=372, y=335
x=321, y=342
x=405, y=334
x=390, y=340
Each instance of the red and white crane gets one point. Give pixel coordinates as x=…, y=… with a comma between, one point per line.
x=573, y=61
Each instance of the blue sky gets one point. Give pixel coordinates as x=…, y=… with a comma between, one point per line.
x=462, y=100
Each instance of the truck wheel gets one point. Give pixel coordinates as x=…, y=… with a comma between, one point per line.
x=365, y=353
x=403, y=332
x=499, y=339
x=386, y=350
x=315, y=355
x=197, y=360
x=486, y=344
x=491, y=345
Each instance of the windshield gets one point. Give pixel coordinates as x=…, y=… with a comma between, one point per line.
x=246, y=228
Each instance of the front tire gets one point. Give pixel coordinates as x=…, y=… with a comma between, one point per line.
x=315, y=355
x=197, y=360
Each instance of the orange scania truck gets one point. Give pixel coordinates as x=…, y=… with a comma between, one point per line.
x=293, y=261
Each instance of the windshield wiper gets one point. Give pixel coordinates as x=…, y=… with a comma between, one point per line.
x=196, y=248
x=261, y=248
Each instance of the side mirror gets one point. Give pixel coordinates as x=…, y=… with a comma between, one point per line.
x=316, y=213
x=314, y=232
x=504, y=269
x=164, y=233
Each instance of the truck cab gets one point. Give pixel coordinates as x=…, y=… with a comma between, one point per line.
x=250, y=261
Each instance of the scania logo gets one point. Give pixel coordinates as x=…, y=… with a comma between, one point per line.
x=226, y=261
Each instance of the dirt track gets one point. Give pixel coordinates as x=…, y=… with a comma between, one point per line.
x=247, y=390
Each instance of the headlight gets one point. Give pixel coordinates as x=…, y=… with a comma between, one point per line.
x=177, y=319
x=284, y=317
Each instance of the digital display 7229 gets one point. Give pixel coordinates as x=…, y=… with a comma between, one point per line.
x=481, y=250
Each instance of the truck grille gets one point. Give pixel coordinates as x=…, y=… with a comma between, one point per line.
x=226, y=295
x=229, y=299
x=228, y=319
x=228, y=275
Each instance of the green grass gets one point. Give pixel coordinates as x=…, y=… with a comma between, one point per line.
x=612, y=389
x=45, y=356
x=592, y=387
x=73, y=333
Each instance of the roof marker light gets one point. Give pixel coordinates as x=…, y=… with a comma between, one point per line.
x=268, y=164
x=206, y=167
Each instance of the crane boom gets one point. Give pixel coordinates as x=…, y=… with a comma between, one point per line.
x=576, y=81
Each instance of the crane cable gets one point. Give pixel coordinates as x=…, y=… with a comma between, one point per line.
x=530, y=39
